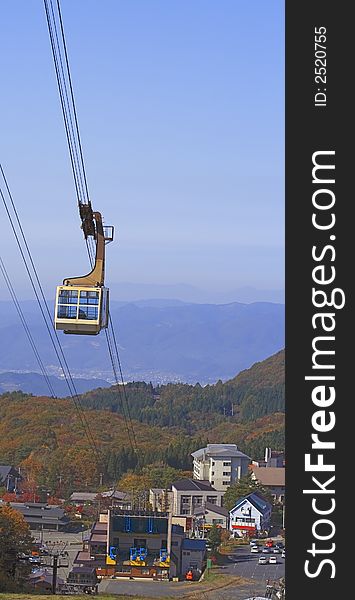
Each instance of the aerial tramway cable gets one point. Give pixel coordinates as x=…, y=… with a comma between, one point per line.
x=43, y=306
x=26, y=327
x=66, y=93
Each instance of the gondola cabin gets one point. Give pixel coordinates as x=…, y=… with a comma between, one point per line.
x=81, y=310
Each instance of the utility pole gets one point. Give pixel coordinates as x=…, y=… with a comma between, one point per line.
x=54, y=576
x=56, y=552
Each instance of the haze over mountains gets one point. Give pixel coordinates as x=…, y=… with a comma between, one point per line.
x=191, y=293
x=159, y=341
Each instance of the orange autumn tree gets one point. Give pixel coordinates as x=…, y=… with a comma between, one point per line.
x=14, y=538
x=137, y=486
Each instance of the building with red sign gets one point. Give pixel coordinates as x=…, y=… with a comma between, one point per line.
x=250, y=516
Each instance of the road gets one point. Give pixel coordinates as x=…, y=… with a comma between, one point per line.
x=245, y=564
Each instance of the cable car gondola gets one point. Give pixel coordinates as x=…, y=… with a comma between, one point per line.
x=82, y=303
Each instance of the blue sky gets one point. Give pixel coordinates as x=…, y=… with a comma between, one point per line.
x=181, y=112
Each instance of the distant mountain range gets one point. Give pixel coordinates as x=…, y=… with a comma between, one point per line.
x=190, y=293
x=159, y=341
x=34, y=383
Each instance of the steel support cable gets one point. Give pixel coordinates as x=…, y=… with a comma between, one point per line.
x=67, y=375
x=57, y=347
x=81, y=171
x=73, y=100
x=72, y=133
x=26, y=327
x=66, y=107
x=110, y=350
x=122, y=380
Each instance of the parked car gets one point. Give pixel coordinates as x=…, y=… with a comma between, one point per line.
x=279, y=545
x=263, y=560
x=276, y=550
x=272, y=560
x=254, y=550
x=283, y=553
x=266, y=550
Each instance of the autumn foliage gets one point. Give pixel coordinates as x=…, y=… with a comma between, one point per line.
x=46, y=439
x=14, y=538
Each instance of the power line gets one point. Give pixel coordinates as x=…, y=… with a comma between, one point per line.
x=43, y=306
x=125, y=414
x=66, y=93
x=111, y=327
x=25, y=326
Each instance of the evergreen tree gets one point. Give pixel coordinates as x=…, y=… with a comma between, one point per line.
x=214, y=538
x=245, y=486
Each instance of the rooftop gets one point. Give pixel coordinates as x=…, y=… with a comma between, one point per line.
x=6, y=470
x=208, y=506
x=219, y=450
x=271, y=476
x=83, y=496
x=87, y=570
x=83, y=556
x=256, y=500
x=98, y=538
x=191, y=544
x=39, y=509
x=192, y=485
x=116, y=494
x=99, y=527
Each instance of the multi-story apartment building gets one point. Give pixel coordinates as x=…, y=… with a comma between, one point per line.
x=187, y=494
x=220, y=464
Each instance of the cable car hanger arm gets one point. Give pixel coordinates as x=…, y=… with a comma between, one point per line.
x=96, y=277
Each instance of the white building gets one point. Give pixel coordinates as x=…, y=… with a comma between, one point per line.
x=250, y=516
x=208, y=515
x=187, y=494
x=220, y=464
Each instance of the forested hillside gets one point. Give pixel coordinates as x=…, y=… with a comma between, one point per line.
x=45, y=436
x=256, y=392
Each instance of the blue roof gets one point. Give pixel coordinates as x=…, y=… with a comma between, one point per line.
x=188, y=544
x=257, y=501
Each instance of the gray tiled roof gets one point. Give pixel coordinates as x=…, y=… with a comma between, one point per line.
x=219, y=510
x=256, y=500
x=193, y=485
x=39, y=512
x=219, y=450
